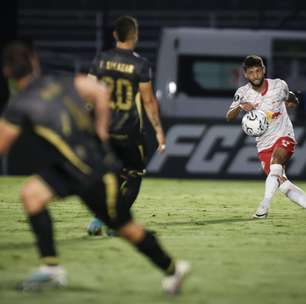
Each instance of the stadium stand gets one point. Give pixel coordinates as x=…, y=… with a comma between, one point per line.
x=68, y=39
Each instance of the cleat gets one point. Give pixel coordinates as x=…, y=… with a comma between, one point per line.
x=95, y=227
x=172, y=284
x=261, y=213
x=45, y=277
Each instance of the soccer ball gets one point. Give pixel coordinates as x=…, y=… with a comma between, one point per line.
x=255, y=123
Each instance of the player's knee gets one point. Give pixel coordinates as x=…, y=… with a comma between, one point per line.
x=32, y=199
x=132, y=232
x=282, y=179
x=285, y=187
x=276, y=170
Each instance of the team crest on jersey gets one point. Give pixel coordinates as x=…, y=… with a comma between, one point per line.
x=272, y=115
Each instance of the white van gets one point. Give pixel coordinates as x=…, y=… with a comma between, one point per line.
x=198, y=69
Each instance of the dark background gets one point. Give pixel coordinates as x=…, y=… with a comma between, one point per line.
x=161, y=4
x=15, y=23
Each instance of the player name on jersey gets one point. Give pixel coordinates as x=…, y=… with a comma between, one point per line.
x=120, y=67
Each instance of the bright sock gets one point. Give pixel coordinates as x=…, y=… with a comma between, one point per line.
x=294, y=193
x=271, y=184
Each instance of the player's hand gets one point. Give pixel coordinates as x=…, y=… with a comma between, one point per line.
x=248, y=106
x=160, y=137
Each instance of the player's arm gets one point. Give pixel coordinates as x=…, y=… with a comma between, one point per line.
x=98, y=94
x=8, y=135
x=235, y=108
x=152, y=109
x=238, y=105
x=292, y=102
x=232, y=113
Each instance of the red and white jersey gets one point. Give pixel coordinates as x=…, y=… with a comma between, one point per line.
x=272, y=102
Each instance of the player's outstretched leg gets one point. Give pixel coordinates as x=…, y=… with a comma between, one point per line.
x=294, y=193
x=271, y=185
x=35, y=196
x=147, y=244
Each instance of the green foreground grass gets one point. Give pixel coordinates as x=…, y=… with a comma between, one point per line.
x=235, y=259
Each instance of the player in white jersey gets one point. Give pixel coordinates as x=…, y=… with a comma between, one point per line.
x=276, y=146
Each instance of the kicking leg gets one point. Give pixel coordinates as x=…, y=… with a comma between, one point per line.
x=294, y=193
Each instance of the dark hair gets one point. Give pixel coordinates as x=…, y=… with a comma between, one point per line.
x=125, y=26
x=252, y=61
x=17, y=57
x=292, y=97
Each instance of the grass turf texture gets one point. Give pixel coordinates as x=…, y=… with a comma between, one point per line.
x=235, y=259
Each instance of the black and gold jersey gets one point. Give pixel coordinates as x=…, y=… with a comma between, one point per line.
x=52, y=108
x=122, y=70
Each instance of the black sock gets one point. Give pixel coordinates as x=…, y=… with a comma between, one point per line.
x=150, y=247
x=41, y=224
x=129, y=189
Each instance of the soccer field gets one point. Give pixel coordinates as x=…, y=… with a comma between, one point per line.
x=235, y=259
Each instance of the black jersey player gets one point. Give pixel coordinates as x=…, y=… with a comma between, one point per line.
x=128, y=76
x=77, y=162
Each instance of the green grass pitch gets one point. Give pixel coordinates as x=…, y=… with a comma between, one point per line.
x=235, y=260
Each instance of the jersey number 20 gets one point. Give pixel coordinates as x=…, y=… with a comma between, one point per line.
x=122, y=91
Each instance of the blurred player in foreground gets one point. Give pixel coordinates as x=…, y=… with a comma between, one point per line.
x=276, y=146
x=77, y=162
x=128, y=76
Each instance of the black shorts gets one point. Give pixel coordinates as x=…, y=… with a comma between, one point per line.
x=101, y=195
x=130, y=151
